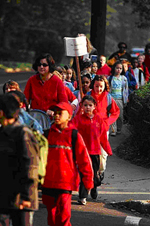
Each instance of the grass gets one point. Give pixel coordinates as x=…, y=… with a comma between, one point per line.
x=15, y=66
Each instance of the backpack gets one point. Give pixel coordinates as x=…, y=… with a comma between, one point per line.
x=43, y=147
x=109, y=101
x=11, y=155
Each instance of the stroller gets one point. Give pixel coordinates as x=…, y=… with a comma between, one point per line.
x=43, y=119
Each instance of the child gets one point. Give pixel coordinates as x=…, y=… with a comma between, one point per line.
x=24, y=116
x=86, y=66
x=70, y=95
x=119, y=91
x=10, y=85
x=138, y=73
x=94, y=137
x=63, y=72
x=71, y=76
x=86, y=81
x=103, y=68
x=142, y=66
x=18, y=166
x=61, y=172
x=94, y=69
x=130, y=77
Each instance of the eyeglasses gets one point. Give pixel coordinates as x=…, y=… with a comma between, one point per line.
x=44, y=65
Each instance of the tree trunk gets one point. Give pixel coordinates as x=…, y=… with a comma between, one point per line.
x=98, y=25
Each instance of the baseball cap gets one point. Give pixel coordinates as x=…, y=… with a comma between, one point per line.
x=64, y=106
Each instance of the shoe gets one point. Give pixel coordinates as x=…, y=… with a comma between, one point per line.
x=113, y=134
x=82, y=201
x=118, y=132
x=94, y=193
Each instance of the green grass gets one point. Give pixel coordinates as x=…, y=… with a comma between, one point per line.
x=16, y=65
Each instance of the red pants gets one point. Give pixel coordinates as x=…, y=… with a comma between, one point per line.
x=59, y=209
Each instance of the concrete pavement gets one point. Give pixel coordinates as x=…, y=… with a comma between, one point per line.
x=134, y=183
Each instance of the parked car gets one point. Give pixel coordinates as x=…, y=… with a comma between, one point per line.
x=137, y=51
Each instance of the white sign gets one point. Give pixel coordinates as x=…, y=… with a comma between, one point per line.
x=75, y=46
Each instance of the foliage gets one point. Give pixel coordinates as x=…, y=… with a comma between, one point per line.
x=40, y=26
x=136, y=147
x=142, y=8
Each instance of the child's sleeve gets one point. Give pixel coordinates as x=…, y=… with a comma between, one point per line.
x=114, y=113
x=84, y=162
x=104, y=139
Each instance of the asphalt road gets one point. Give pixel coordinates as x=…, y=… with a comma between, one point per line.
x=20, y=77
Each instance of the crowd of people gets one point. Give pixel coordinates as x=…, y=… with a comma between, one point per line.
x=95, y=111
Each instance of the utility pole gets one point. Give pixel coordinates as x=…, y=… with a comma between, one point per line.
x=98, y=25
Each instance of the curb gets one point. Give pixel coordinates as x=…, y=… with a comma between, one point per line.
x=136, y=221
x=141, y=206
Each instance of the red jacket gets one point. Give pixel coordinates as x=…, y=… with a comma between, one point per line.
x=105, y=70
x=146, y=72
x=101, y=108
x=70, y=95
x=147, y=60
x=61, y=170
x=44, y=95
x=93, y=132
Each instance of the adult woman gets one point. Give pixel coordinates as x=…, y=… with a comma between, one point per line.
x=121, y=54
x=44, y=89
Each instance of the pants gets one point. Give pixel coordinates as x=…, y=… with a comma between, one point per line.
x=83, y=193
x=119, y=122
x=19, y=218
x=22, y=218
x=58, y=208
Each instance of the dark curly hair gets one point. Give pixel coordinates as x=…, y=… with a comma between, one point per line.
x=87, y=75
x=100, y=78
x=49, y=59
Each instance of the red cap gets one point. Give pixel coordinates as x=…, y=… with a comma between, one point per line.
x=64, y=106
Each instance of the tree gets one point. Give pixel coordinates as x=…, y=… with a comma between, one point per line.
x=98, y=24
x=143, y=9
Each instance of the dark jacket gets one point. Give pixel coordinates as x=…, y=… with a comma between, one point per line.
x=19, y=159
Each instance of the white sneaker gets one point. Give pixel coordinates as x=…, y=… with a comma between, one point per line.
x=82, y=201
x=113, y=134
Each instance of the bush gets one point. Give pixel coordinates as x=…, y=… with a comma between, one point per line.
x=136, y=148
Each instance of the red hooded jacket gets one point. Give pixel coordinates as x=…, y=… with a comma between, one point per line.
x=101, y=108
x=93, y=132
x=61, y=170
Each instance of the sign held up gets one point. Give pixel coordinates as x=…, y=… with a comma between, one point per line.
x=75, y=46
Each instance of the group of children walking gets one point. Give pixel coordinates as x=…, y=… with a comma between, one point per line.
x=78, y=139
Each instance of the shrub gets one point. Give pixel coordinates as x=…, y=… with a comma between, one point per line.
x=139, y=122
x=136, y=147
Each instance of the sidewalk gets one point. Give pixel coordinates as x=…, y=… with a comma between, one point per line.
x=141, y=206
